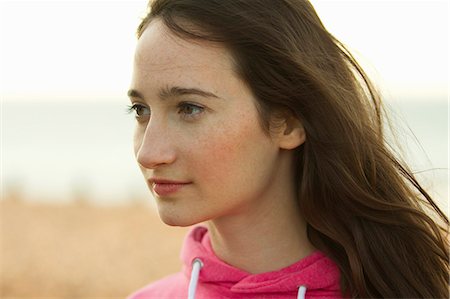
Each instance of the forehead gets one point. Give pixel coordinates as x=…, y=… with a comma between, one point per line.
x=159, y=49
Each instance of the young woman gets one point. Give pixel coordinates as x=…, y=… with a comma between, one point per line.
x=252, y=118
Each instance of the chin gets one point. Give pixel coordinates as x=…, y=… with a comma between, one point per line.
x=173, y=219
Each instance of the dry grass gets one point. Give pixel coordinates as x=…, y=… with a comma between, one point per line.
x=83, y=251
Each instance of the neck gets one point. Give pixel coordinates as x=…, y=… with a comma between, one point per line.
x=263, y=240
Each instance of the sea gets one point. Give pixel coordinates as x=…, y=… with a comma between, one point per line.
x=62, y=151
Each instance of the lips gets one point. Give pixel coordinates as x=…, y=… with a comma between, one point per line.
x=163, y=187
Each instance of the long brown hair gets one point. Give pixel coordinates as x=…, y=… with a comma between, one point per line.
x=363, y=206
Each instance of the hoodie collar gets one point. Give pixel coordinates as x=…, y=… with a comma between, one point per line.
x=315, y=271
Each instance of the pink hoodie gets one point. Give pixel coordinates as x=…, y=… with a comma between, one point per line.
x=205, y=276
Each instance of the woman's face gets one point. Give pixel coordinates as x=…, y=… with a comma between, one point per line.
x=198, y=140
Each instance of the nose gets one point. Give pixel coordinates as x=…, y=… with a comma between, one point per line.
x=154, y=146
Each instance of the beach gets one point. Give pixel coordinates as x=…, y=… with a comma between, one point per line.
x=80, y=250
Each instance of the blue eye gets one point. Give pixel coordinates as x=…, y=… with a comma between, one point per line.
x=141, y=112
x=190, y=111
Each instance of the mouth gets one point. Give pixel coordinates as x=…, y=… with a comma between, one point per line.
x=163, y=187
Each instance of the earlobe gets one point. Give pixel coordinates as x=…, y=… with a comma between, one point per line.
x=292, y=134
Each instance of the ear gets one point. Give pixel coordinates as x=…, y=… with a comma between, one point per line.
x=290, y=133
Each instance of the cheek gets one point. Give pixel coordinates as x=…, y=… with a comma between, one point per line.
x=229, y=156
x=215, y=154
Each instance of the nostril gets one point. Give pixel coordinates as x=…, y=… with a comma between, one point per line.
x=154, y=146
x=152, y=157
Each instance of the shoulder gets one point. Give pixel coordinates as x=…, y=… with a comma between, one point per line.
x=173, y=286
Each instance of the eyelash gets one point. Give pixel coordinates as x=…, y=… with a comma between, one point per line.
x=182, y=110
x=189, y=116
x=135, y=108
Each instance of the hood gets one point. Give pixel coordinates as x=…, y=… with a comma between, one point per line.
x=316, y=272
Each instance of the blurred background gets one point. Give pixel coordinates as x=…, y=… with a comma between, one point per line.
x=77, y=220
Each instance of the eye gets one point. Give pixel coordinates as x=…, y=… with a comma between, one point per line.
x=190, y=111
x=140, y=111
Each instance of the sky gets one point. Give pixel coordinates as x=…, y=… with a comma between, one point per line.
x=80, y=50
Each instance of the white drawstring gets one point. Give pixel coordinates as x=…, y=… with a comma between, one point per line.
x=196, y=266
x=301, y=292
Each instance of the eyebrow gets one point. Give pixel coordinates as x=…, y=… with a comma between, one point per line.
x=175, y=91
